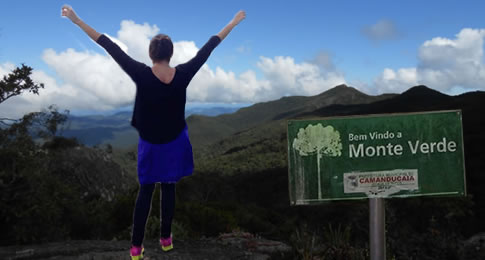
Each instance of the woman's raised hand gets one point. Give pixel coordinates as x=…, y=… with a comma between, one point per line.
x=235, y=21
x=239, y=17
x=68, y=12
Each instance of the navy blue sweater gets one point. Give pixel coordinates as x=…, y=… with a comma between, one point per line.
x=159, y=112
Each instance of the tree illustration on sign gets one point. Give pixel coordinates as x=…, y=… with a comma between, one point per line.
x=324, y=141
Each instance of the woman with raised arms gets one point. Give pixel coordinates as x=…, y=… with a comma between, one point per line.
x=164, y=149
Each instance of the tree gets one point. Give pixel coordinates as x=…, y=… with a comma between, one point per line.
x=38, y=124
x=324, y=141
x=17, y=82
x=19, y=132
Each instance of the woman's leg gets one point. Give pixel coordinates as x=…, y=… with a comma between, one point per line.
x=167, y=208
x=142, y=210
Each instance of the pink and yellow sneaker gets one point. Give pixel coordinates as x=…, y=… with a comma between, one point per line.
x=136, y=252
x=166, y=243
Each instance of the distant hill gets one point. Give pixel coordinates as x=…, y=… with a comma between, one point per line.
x=116, y=129
x=418, y=98
x=205, y=130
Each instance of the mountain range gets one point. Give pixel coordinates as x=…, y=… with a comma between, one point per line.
x=209, y=124
x=246, y=143
x=205, y=130
x=254, y=138
x=116, y=129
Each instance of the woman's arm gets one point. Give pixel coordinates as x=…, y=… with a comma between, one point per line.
x=129, y=65
x=193, y=65
x=68, y=12
x=235, y=21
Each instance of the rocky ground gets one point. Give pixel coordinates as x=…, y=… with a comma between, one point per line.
x=226, y=246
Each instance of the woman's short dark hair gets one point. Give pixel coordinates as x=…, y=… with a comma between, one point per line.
x=161, y=48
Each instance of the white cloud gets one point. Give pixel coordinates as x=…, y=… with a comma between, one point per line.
x=395, y=81
x=297, y=79
x=382, y=30
x=94, y=75
x=65, y=96
x=182, y=52
x=87, y=80
x=447, y=65
x=282, y=77
x=137, y=39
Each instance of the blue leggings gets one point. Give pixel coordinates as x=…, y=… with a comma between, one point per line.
x=143, y=206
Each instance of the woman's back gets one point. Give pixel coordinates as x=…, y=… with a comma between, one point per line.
x=163, y=72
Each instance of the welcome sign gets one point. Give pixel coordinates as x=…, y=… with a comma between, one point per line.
x=395, y=155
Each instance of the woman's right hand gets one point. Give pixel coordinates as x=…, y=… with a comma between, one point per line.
x=68, y=12
x=239, y=17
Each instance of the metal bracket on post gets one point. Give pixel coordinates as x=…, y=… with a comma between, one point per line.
x=377, y=227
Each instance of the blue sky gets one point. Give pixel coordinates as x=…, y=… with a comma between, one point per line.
x=282, y=48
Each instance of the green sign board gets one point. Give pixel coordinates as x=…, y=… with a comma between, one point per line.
x=393, y=155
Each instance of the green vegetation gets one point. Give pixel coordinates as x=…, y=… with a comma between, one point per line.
x=53, y=188
x=329, y=243
x=46, y=192
x=42, y=197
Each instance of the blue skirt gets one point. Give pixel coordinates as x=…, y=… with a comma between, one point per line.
x=165, y=163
